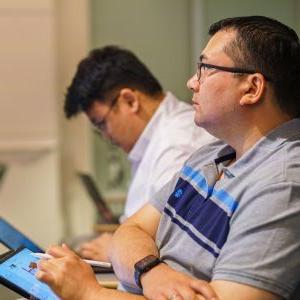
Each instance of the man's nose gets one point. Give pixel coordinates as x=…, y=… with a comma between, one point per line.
x=193, y=83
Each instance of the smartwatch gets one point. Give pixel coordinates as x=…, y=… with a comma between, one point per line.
x=144, y=265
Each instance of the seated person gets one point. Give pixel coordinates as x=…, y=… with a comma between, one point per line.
x=231, y=216
x=127, y=105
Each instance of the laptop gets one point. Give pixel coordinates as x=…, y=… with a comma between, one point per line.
x=101, y=206
x=13, y=239
x=17, y=272
x=3, y=170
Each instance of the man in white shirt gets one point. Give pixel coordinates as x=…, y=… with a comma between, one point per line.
x=127, y=105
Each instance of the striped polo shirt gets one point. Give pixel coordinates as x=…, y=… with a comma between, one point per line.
x=244, y=227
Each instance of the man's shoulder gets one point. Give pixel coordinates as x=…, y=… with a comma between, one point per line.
x=208, y=152
x=274, y=160
x=283, y=163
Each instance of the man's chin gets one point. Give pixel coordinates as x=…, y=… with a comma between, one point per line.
x=201, y=123
x=114, y=143
x=198, y=122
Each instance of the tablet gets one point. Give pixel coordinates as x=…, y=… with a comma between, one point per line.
x=13, y=239
x=17, y=272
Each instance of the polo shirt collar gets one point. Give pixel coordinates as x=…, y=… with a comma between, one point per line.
x=271, y=141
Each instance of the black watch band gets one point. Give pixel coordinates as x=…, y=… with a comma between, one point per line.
x=144, y=265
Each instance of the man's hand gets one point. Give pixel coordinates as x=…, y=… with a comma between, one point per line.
x=97, y=248
x=162, y=282
x=67, y=275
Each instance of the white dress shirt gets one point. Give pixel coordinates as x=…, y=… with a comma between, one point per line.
x=168, y=140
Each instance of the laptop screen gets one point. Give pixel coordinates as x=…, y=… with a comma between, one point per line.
x=13, y=238
x=103, y=209
x=17, y=272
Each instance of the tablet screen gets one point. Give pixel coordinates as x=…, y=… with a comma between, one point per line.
x=17, y=272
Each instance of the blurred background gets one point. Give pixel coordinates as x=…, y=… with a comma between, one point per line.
x=41, y=43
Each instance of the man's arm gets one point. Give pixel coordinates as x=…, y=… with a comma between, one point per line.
x=134, y=240
x=72, y=279
x=228, y=290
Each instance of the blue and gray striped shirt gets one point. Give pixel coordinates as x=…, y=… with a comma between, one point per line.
x=243, y=228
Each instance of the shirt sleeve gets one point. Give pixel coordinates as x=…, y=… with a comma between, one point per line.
x=263, y=245
x=161, y=197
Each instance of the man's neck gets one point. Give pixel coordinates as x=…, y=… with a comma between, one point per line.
x=246, y=136
x=149, y=106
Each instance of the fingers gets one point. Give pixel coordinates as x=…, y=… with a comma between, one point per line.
x=162, y=281
x=176, y=296
x=65, y=246
x=204, y=288
x=44, y=277
x=45, y=272
x=184, y=294
x=60, y=251
x=178, y=292
x=92, y=250
x=89, y=253
x=172, y=297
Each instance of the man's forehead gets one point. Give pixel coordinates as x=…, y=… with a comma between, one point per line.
x=216, y=44
x=96, y=107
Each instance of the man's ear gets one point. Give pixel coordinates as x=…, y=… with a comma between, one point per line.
x=253, y=89
x=131, y=99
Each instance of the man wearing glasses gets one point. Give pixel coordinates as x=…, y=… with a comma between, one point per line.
x=126, y=104
x=231, y=217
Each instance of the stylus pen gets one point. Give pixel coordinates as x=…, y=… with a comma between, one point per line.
x=94, y=263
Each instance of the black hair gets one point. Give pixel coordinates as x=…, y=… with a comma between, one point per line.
x=271, y=48
x=104, y=71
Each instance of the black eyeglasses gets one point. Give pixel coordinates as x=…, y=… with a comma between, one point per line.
x=202, y=66
x=101, y=125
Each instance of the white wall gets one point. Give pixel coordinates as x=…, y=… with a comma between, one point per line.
x=30, y=193
x=73, y=30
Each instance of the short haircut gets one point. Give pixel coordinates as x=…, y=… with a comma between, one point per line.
x=103, y=72
x=271, y=48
